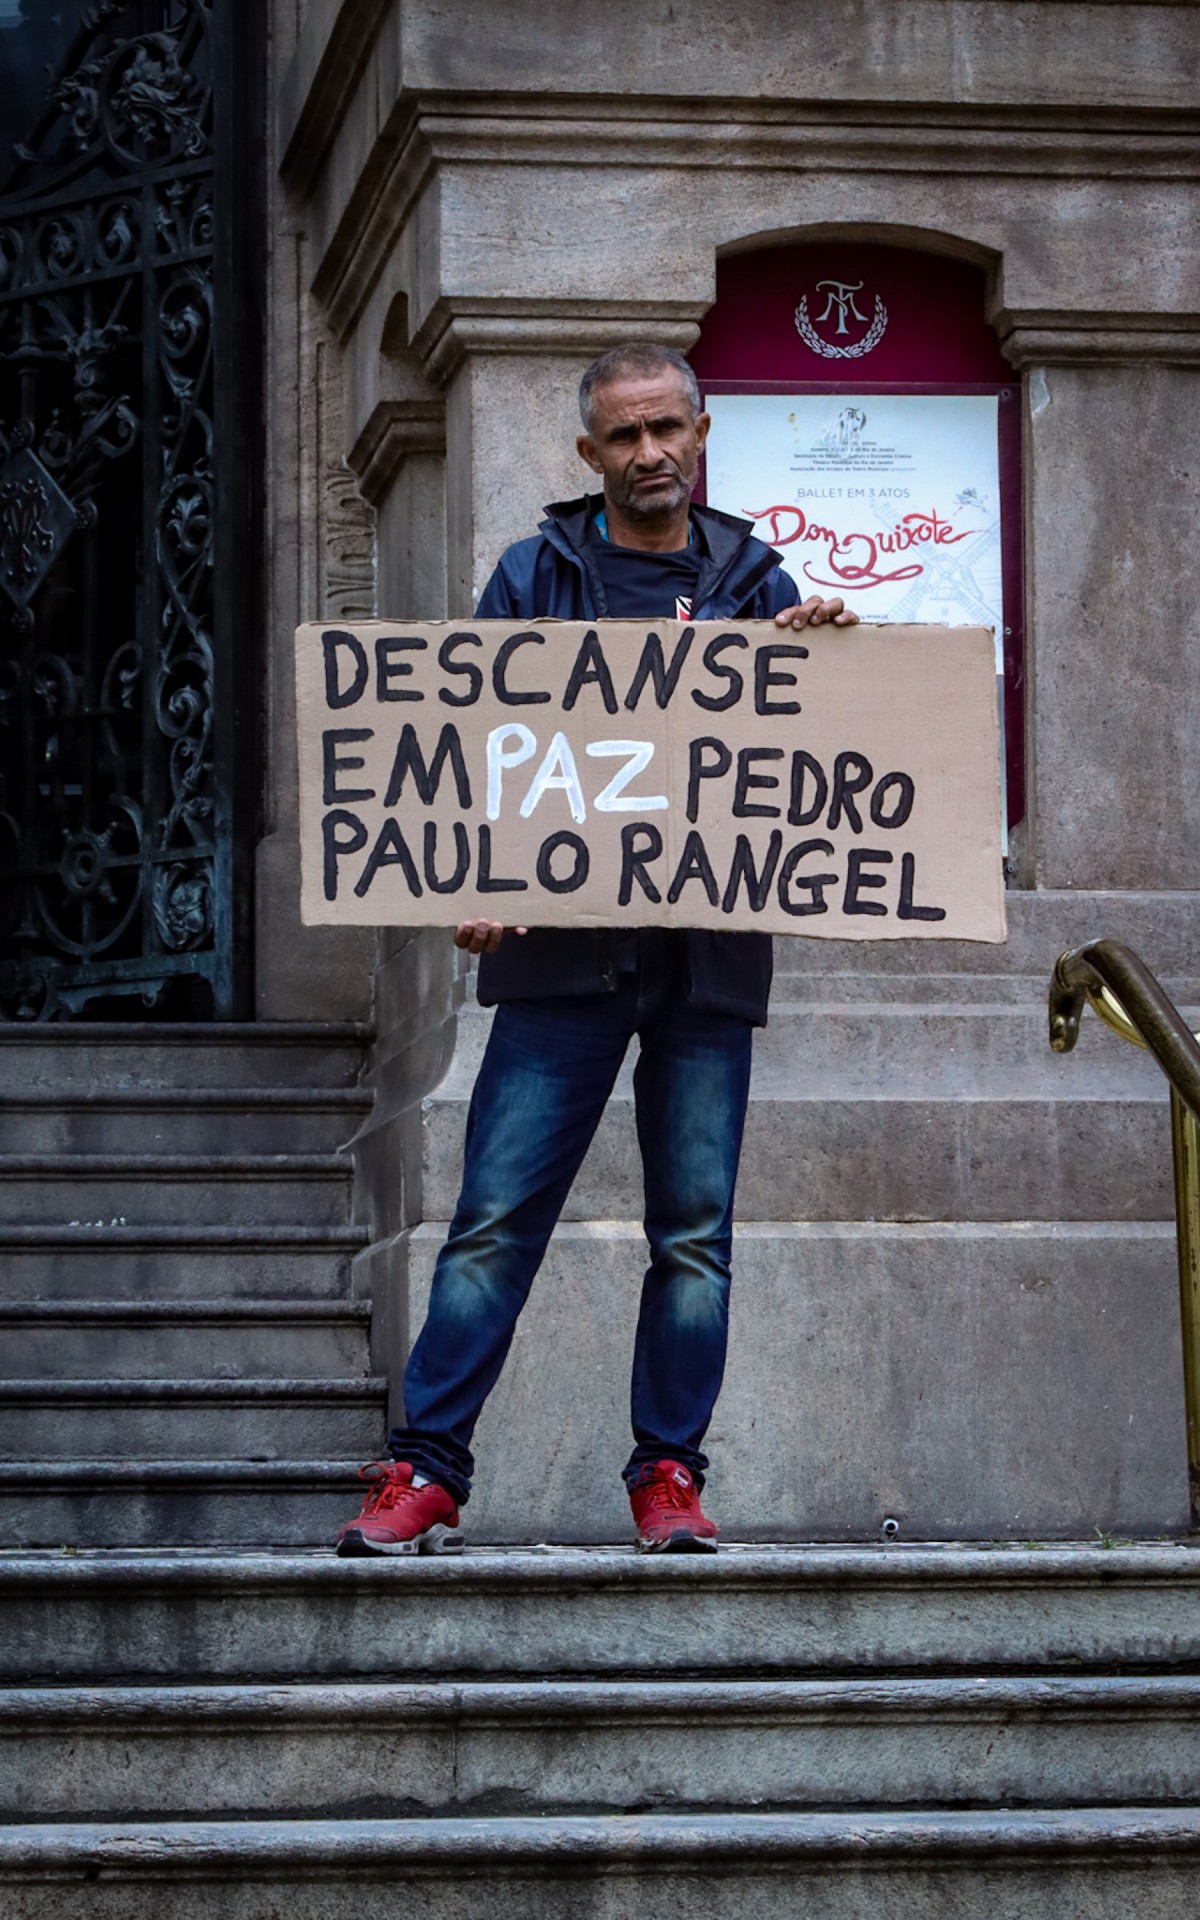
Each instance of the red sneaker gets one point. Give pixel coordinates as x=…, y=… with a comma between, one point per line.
x=400, y=1518
x=666, y=1508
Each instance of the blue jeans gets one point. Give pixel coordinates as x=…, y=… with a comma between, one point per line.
x=548, y=1070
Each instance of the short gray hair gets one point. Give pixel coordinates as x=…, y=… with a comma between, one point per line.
x=636, y=357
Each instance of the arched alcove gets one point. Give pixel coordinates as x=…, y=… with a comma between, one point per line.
x=862, y=406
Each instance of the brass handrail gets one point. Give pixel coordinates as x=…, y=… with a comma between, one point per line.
x=1128, y=998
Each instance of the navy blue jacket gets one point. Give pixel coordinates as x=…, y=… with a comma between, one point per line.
x=553, y=576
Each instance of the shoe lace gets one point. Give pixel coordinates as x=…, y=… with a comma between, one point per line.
x=665, y=1491
x=387, y=1489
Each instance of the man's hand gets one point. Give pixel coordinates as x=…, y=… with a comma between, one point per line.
x=481, y=936
x=815, y=612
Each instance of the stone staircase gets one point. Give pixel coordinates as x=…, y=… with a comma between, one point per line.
x=956, y=1319
x=180, y=1348
x=846, y=1732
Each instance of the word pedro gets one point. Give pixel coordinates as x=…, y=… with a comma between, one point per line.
x=796, y=875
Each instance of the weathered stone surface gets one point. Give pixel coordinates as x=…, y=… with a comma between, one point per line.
x=164, y=1503
x=158, y=1120
x=179, y=1348
x=154, y=1418
x=819, y=1048
x=838, y=1157
x=747, y=1612
x=84, y=1058
x=1018, y=1380
x=173, y=1339
x=320, y=561
x=982, y=68
x=606, y=227
x=1042, y=923
x=502, y=1749
x=511, y=423
x=1114, y=660
x=984, y=51
x=1086, y=1864
x=174, y=1190
x=173, y=1262
x=412, y=541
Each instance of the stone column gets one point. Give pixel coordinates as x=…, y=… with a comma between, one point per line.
x=1113, y=651
x=320, y=563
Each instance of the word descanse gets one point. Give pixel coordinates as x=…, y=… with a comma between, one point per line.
x=352, y=672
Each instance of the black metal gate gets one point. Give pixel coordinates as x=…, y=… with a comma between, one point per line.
x=129, y=324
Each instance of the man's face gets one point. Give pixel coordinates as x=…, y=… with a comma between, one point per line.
x=646, y=441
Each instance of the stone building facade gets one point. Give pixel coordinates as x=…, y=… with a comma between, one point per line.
x=472, y=201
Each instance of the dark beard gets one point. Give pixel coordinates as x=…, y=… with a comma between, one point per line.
x=660, y=505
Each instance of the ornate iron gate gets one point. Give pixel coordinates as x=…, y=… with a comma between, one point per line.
x=128, y=317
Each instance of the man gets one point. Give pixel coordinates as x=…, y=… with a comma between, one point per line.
x=569, y=1001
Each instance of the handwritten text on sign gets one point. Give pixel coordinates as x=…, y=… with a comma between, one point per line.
x=844, y=784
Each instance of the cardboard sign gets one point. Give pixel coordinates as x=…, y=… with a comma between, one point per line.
x=837, y=783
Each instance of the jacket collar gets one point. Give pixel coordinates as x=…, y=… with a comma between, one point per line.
x=734, y=565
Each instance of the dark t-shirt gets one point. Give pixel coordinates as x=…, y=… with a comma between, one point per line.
x=649, y=586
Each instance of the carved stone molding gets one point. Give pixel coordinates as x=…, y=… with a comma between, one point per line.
x=335, y=42
x=457, y=327
x=345, y=543
x=1099, y=339
x=347, y=589
x=396, y=429
x=426, y=136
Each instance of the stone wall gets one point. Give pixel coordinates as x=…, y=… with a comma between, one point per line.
x=475, y=200
x=484, y=209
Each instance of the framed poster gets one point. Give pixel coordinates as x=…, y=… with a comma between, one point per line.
x=892, y=498
x=866, y=420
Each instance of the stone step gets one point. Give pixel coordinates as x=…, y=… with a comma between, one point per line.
x=942, y=1050
x=875, y=1156
x=42, y=1420
x=961, y=1380
x=800, y=984
x=969, y=1050
x=799, y=981
x=211, y=1339
x=400, y=1750
x=176, y=1262
x=1041, y=925
x=82, y=1055
x=1087, y=1863
x=177, y=1190
x=198, y=1120
x=156, y=1504
x=115, y=1617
